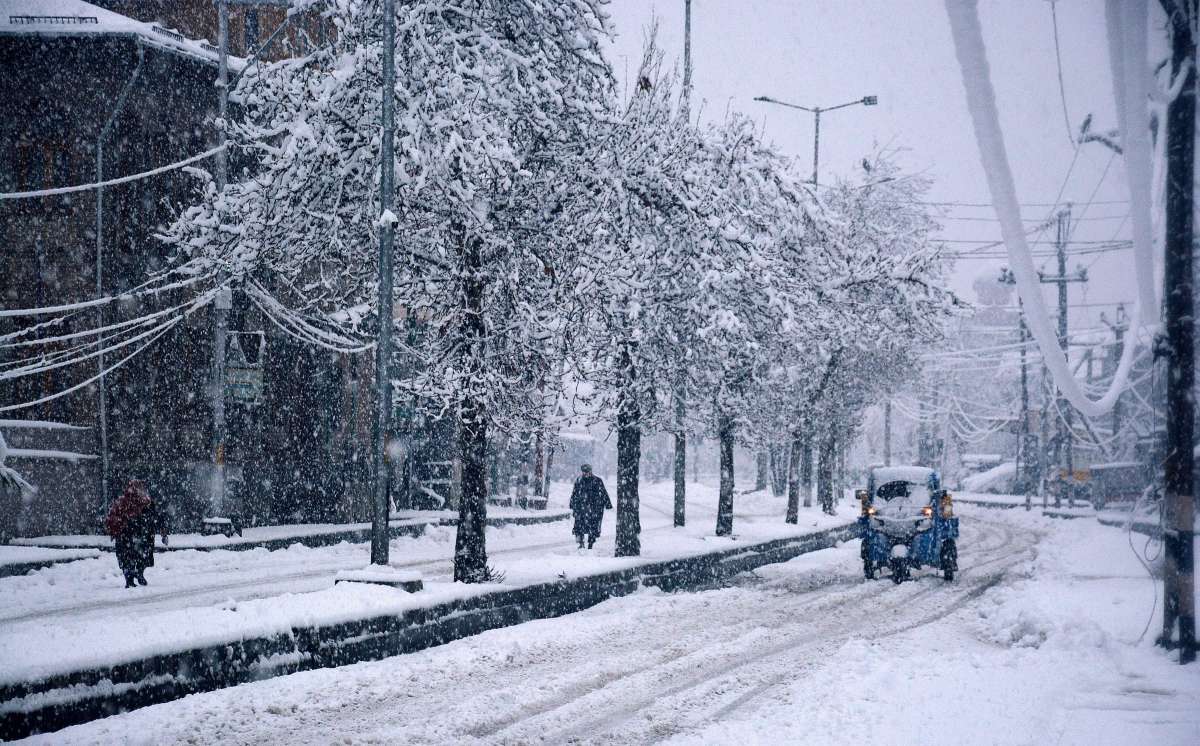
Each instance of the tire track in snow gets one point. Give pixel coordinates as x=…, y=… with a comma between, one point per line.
x=730, y=676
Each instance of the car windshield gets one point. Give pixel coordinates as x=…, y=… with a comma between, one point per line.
x=889, y=491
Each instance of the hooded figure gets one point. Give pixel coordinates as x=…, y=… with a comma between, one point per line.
x=132, y=522
x=589, y=500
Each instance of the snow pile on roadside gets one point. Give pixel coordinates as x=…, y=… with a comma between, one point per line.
x=996, y=479
x=18, y=555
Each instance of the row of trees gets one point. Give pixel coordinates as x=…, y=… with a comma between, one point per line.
x=565, y=246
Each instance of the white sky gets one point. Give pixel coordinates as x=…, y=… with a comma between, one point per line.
x=827, y=52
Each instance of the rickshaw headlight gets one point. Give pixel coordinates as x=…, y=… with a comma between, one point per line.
x=870, y=511
x=927, y=511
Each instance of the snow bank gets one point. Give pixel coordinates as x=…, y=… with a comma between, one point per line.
x=18, y=555
x=996, y=479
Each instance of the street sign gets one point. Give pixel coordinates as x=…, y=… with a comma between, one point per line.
x=244, y=374
x=244, y=385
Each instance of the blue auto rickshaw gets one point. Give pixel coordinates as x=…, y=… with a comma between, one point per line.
x=907, y=522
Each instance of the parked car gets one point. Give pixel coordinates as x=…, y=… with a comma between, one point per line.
x=907, y=522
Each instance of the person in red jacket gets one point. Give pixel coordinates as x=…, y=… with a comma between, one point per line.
x=132, y=522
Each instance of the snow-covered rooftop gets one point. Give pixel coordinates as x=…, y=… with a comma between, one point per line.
x=79, y=18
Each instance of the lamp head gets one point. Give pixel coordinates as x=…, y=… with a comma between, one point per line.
x=870, y=100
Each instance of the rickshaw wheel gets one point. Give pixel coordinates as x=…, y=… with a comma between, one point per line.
x=949, y=560
x=868, y=569
x=899, y=571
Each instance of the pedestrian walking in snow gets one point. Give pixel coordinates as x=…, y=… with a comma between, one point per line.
x=132, y=522
x=589, y=500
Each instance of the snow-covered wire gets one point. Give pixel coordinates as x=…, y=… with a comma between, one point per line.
x=93, y=379
x=1126, y=22
x=1144, y=561
x=300, y=328
x=55, y=191
x=981, y=101
x=139, y=321
x=30, y=369
x=1062, y=89
x=82, y=305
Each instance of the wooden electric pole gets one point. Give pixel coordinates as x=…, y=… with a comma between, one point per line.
x=1066, y=420
x=1179, y=602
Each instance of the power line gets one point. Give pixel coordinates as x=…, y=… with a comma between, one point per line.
x=1062, y=89
x=113, y=182
x=1022, y=204
x=989, y=219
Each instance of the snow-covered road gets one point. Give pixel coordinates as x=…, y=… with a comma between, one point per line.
x=1036, y=641
x=632, y=670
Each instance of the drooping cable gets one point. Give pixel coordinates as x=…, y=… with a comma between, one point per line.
x=981, y=101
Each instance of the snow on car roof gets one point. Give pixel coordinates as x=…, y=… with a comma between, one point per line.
x=913, y=474
x=79, y=18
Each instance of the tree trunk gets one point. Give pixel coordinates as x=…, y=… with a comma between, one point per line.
x=779, y=470
x=806, y=470
x=470, y=546
x=629, y=456
x=539, y=478
x=825, y=473
x=680, y=458
x=725, y=500
x=763, y=464
x=793, y=479
x=546, y=477
x=522, y=457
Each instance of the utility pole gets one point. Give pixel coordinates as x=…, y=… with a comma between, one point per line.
x=687, y=56
x=816, y=141
x=680, y=471
x=1025, y=472
x=224, y=301
x=1179, y=602
x=1111, y=360
x=1023, y=449
x=101, y=384
x=1066, y=421
x=887, y=433
x=383, y=348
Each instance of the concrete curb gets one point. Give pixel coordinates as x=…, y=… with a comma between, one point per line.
x=55, y=702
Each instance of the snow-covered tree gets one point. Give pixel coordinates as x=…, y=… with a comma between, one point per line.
x=492, y=96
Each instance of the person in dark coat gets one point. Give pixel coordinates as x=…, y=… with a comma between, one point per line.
x=589, y=500
x=132, y=522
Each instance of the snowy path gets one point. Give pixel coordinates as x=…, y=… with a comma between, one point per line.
x=188, y=579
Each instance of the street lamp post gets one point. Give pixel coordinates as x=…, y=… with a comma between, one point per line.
x=816, y=111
